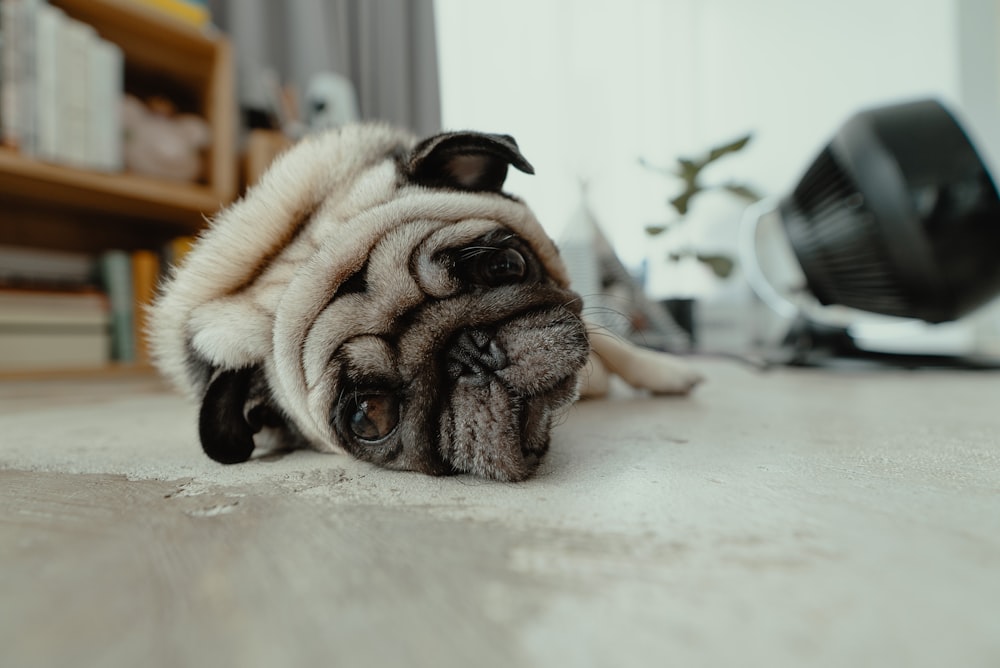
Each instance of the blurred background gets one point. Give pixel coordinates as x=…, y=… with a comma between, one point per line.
x=607, y=98
x=590, y=88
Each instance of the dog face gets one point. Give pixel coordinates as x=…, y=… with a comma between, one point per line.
x=381, y=297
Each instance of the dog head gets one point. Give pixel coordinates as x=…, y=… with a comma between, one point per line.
x=382, y=297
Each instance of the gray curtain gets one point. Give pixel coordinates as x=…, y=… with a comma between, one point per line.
x=387, y=48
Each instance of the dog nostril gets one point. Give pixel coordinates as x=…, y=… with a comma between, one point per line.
x=480, y=338
x=475, y=353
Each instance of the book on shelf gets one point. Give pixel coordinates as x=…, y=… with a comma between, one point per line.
x=21, y=26
x=193, y=12
x=83, y=304
x=48, y=27
x=107, y=86
x=9, y=71
x=130, y=280
x=62, y=87
x=73, y=76
x=115, y=268
x=53, y=314
x=53, y=270
x=53, y=330
x=176, y=250
x=145, y=279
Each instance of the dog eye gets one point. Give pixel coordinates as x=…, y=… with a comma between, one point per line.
x=504, y=265
x=372, y=417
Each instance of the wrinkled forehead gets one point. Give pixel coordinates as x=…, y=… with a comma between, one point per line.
x=396, y=227
x=401, y=270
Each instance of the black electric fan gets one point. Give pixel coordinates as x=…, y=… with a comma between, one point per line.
x=898, y=216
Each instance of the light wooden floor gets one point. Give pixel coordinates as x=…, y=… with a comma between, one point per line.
x=796, y=518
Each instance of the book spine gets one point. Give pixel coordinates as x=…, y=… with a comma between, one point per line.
x=145, y=278
x=176, y=250
x=49, y=27
x=188, y=11
x=107, y=75
x=76, y=104
x=6, y=40
x=116, y=274
x=27, y=98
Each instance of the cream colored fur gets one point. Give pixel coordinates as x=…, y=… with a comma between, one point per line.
x=262, y=274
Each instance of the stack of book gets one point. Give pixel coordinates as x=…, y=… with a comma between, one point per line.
x=76, y=311
x=62, y=87
x=52, y=330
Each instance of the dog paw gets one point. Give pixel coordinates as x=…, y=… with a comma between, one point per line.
x=660, y=373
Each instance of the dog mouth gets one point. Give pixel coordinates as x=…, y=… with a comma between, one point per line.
x=537, y=417
x=492, y=432
x=506, y=386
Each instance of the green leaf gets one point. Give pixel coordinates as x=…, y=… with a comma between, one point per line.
x=683, y=201
x=731, y=147
x=688, y=169
x=679, y=254
x=742, y=191
x=721, y=265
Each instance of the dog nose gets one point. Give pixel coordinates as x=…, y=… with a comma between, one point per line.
x=475, y=355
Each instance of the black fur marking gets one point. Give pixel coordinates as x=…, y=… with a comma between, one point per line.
x=466, y=161
x=225, y=434
x=400, y=155
x=355, y=283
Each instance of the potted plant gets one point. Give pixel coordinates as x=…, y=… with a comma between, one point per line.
x=690, y=173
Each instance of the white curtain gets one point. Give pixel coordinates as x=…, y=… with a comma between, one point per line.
x=387, y=48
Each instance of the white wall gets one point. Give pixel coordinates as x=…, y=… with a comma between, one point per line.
x=978, y=28
x=589, y=86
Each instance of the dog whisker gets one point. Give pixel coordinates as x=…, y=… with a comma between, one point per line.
x=475, y=251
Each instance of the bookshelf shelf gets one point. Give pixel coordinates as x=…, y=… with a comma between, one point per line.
x=110, y=370
x=179, y=205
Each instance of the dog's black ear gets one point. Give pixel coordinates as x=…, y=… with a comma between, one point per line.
x=465, y=161
x=226, y=435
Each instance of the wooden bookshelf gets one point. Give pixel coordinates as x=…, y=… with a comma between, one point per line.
x=59, y=207
x=85, y=210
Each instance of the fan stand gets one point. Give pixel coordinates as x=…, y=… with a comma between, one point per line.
x=809, y=343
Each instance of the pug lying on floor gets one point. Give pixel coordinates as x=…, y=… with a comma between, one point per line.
x=384, y=297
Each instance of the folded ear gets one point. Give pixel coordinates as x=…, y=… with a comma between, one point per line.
x=225, y=432
x=465, y=161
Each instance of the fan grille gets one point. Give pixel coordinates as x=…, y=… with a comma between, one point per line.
x=838, y=243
